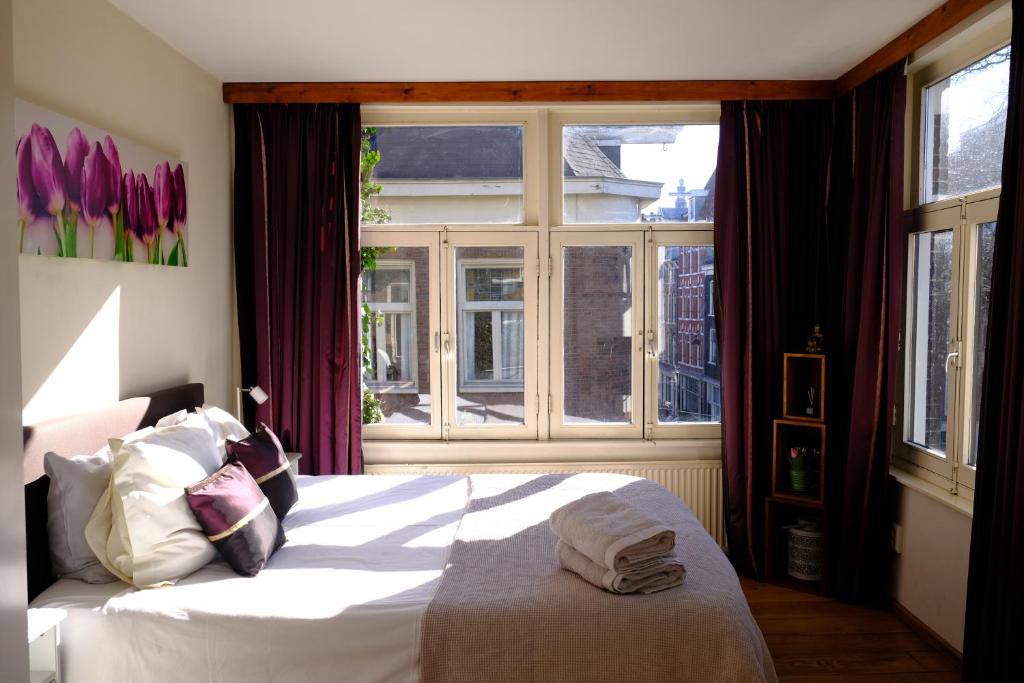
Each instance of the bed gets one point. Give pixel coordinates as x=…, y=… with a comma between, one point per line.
x=398, y=578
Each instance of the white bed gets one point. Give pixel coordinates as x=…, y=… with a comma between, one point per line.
x=345, y=598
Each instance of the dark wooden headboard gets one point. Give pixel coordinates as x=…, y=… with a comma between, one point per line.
x=80, y=434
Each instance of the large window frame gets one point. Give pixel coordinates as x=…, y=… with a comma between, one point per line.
x=542, y=223
x=950, y=472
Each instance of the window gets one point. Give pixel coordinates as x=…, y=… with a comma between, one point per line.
x=949, y=263
x=449, y=174
x=390, y=291
x=476, y=336
x=964, y=124
x=638, y=174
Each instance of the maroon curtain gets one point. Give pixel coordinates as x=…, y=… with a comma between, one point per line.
x=296, y=273
x=770, y=238
x=867, y=209
x=995, y=586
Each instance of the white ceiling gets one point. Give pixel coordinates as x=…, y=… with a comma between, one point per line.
x=450, y=40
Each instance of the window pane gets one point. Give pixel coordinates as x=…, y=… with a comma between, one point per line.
x=597, y=333
x=447, y=174
x=397, y=294
x=688, y=376
x=982, y=294
x=387, y=285
x=932, y=264
x=491, y=336
x=965, y=119
x=638, y=174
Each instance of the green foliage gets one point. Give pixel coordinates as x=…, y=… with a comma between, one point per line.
x=369, y=215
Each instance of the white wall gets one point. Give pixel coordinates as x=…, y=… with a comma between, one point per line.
x=13, y=650
x=930, y=577
x=93, y=332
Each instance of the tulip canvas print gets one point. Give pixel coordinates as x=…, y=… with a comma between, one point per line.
x=83, y=193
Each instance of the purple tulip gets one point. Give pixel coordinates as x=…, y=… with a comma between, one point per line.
x=74, y=159
x=131, y=204
x=95, y=186
x=163, y=194
x=114, y=167
x=28, y=204
x=180, y=205
x=49, y=176
x=147, y=226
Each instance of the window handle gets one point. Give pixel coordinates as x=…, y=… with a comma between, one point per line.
x=952, y=358
x=447, y=343
x=437, y=342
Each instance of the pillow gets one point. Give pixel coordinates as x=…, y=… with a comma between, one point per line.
x=76, y=485
x=142, y=530
x=263, y=457
x=236, y=517
x=172, y=419
x=224, y=426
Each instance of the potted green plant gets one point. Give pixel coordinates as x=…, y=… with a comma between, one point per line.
x=803, y=473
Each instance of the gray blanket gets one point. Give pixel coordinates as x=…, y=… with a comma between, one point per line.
x=506, y=611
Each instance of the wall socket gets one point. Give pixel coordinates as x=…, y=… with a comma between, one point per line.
x=896, y=538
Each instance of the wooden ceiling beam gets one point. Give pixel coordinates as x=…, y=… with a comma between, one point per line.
x=526, y=91
x=940, y=20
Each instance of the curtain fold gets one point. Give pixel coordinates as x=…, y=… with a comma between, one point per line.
x=770, y=232
x=866, y=206
x=296, y=272
x=995, y=597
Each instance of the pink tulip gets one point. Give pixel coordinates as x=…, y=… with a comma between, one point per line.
x=28, y=203
x=180, y=205
x=114, y=167
x=147, y=226
x=131, y=204
x=74, y=159
x=49, y=177
x=163, y=194
x=95, y=186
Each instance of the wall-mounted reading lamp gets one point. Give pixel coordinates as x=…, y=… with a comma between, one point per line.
x=255, y=392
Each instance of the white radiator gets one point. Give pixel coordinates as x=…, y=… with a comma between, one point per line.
x=698, y=483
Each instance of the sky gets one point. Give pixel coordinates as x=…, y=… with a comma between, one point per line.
x=973, y=98
x=692, y=157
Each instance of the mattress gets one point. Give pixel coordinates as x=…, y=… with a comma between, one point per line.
x=346, y=597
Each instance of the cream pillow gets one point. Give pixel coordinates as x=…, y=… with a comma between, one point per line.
x=142, y=530
x=224, y=426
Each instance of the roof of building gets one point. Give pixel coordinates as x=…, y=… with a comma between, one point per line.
x=449, y=152
x=583, y=158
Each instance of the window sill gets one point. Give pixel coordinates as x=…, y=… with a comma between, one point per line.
x=933, y=491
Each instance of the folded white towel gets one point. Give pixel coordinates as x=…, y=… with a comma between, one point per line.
x=610, y=532
x=649, y=576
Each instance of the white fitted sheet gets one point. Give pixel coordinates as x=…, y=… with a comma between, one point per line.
x=343, y=599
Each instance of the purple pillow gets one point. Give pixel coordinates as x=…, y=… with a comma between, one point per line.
x=262, y=455
x=236, y=517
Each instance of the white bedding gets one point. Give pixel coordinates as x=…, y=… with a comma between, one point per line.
x=342, y=600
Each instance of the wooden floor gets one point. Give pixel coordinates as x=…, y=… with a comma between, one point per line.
x=813, y=639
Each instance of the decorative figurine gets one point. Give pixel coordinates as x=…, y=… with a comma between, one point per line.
x=815, y=341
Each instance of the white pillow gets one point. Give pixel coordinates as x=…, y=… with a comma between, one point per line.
x=224, y=426
x=172, y=419
x=76, y=485
x=152, y=537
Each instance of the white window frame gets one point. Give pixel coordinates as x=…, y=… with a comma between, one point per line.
x=496, y=308
x=542, y=218
x=451, y=283
x=406, y=315
x=430, y=241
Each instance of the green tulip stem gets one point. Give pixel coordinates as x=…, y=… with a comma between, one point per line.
x=21, y=236
x=56, y=234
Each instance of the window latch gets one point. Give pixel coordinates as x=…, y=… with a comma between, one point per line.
x=953, y=357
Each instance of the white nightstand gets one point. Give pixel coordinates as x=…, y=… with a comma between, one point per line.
x=44, y=644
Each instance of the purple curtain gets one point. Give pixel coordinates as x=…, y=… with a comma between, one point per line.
x=770, y=234
x=866, y=207
x=995, y=585
x=296, y=273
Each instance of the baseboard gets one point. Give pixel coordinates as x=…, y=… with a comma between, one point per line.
x=923, y=630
